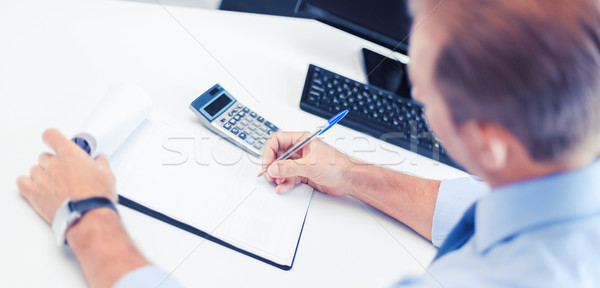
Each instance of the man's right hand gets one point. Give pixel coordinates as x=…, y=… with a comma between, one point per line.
x=317, y=163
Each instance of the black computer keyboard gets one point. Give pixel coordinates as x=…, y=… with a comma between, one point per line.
x=374, y=111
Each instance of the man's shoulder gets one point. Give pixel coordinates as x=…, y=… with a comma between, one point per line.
x=559, y=255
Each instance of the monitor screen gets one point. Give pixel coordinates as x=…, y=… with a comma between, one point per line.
x=385, y=22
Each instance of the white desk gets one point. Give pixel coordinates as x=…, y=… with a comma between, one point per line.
x=57, y=58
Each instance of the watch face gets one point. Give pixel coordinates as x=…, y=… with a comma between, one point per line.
x=60, y=223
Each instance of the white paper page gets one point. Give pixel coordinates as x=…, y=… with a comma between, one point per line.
x=113, y=119
x=208, y=183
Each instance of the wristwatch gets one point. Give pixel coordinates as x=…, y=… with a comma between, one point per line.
x=71, y=211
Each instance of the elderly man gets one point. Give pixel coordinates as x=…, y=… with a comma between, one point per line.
x=512, y=88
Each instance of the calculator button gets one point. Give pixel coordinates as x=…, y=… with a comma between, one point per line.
x=269, y=132
x=262, y=141
x=235, y=131
x=270, y=125
x=242, y=113
x=250, y=140
x=251, y=128
x=227, y=126
x=236, y=117
x=260, y=119
x=240, y=106
x=253, y=114
x=257, y=145
x=260, y=132
x=241, y=124
x=232, y=121
x=263, y=128
x=223, y=120
x=230, y=113
x=246, y=109
x=243, y=135
x=255, y=135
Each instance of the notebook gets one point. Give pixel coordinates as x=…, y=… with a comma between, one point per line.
x=203, y=184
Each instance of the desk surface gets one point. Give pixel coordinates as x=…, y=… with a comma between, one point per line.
x=59, y=57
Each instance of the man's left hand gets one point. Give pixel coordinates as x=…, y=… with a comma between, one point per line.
x=69, y=172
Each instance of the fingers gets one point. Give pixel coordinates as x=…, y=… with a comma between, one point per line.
x=278, y=144
x=280, y=141
x=102, y=163
x=290, y=168
x=25, y=185
x=56, y=140
x=287, y=185
x=44, y=159
x=36, y=173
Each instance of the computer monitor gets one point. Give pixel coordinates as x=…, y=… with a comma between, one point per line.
x=385, y=22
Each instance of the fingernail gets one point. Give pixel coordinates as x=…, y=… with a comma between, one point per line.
x=273, y=170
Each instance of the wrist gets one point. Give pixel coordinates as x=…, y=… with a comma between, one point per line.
x=354, y=175
x=102, y=247
x=70, y=212
x=91, y=223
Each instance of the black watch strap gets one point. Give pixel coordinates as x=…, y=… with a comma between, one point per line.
x=85, y=205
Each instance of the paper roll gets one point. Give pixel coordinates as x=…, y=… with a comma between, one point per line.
x=120, y=111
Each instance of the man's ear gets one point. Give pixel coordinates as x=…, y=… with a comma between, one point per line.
x=489, y=144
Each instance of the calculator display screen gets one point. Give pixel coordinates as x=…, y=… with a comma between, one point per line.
x=217, y=105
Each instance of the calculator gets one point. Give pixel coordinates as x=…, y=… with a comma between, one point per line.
x=223, y=114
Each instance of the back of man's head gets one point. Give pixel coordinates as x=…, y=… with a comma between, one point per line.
x=531, y=66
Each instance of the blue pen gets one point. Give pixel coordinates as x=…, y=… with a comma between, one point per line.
x=319, y=131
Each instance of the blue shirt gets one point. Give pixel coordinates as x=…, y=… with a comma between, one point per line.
x=542, y=232
x=147, y=276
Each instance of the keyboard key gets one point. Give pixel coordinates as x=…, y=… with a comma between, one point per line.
x=271, y=126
